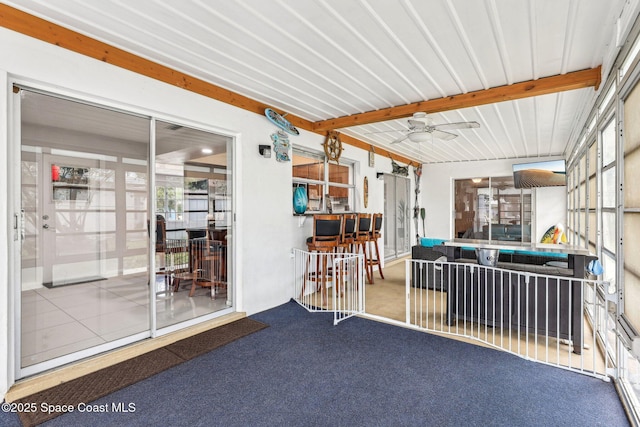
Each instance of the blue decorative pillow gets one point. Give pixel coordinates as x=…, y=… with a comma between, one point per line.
x=540, y=253
x=428, y=242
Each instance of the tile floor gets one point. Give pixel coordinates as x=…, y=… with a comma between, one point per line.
x=63, y=320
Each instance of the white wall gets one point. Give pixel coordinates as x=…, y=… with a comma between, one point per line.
x=437, y=190
x=550, y=209
x=266, y=228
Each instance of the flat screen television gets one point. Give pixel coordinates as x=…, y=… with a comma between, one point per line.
x=551, y=173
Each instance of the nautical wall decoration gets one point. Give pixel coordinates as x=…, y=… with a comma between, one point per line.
x=365, y=192
x=281, y=146
x=417, y=173
x=280, y=121
x=399, y=170
x=555, y=234
x=333, y=146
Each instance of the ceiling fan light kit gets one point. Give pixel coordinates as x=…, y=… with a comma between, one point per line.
x=420, y=136
x=421, y=129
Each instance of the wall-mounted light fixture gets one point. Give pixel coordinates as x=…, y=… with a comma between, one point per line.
x=265, y=151
x=379, y=175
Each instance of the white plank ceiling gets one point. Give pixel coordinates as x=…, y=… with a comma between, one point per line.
x=322, y=59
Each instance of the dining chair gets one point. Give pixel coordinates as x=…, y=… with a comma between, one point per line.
x=163, y=269
x=208, y=260
x=161, y=234
x=217, y=238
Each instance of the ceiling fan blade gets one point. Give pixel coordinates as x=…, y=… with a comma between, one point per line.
x=385, y=131
x=402, y=138
x=457, y=125
x=445, y=136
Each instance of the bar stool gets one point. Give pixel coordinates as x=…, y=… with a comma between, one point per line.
x=349, y=231
x=372, y=239
x=164, y=253
x=325, y=241
x=347, y=245
x=362, y=237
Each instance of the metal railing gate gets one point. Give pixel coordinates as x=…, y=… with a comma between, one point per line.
x=556, y=320
x=329, y=282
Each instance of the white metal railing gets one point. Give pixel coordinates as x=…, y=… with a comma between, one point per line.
x=332, y=282
x=535, y=316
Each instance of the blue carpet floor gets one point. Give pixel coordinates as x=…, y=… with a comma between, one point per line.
x=303, y=371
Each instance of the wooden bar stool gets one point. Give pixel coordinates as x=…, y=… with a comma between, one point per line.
x=347, y=245
x=373, y=237
x=349, y=231
x=362, y=237
x=325, y=241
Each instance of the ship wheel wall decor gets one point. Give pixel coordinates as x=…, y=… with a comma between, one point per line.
x=333, y=146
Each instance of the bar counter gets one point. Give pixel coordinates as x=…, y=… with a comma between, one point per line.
x=518, y=246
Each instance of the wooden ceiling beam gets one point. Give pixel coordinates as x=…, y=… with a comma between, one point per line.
x=49, y=32
x=46, y=31
x=563, y=82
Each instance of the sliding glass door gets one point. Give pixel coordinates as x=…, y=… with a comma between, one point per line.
x=193, y=223
x=397, y=240
x=109, y=253
x=84, y=249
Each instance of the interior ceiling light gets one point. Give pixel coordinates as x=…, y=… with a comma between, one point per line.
x=207, y=151
x=477, y=180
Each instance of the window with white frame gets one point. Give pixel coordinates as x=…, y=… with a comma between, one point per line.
x=631, y=214
x=329, y=186
x=492, y=209
x=608, y=200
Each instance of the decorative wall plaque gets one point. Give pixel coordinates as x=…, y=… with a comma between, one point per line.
x=365, y=192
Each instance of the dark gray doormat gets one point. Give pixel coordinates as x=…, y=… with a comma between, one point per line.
x=105, y=381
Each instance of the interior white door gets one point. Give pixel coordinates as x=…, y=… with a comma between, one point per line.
x=70, y=220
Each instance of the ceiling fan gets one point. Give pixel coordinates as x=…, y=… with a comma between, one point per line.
x=421, y=128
